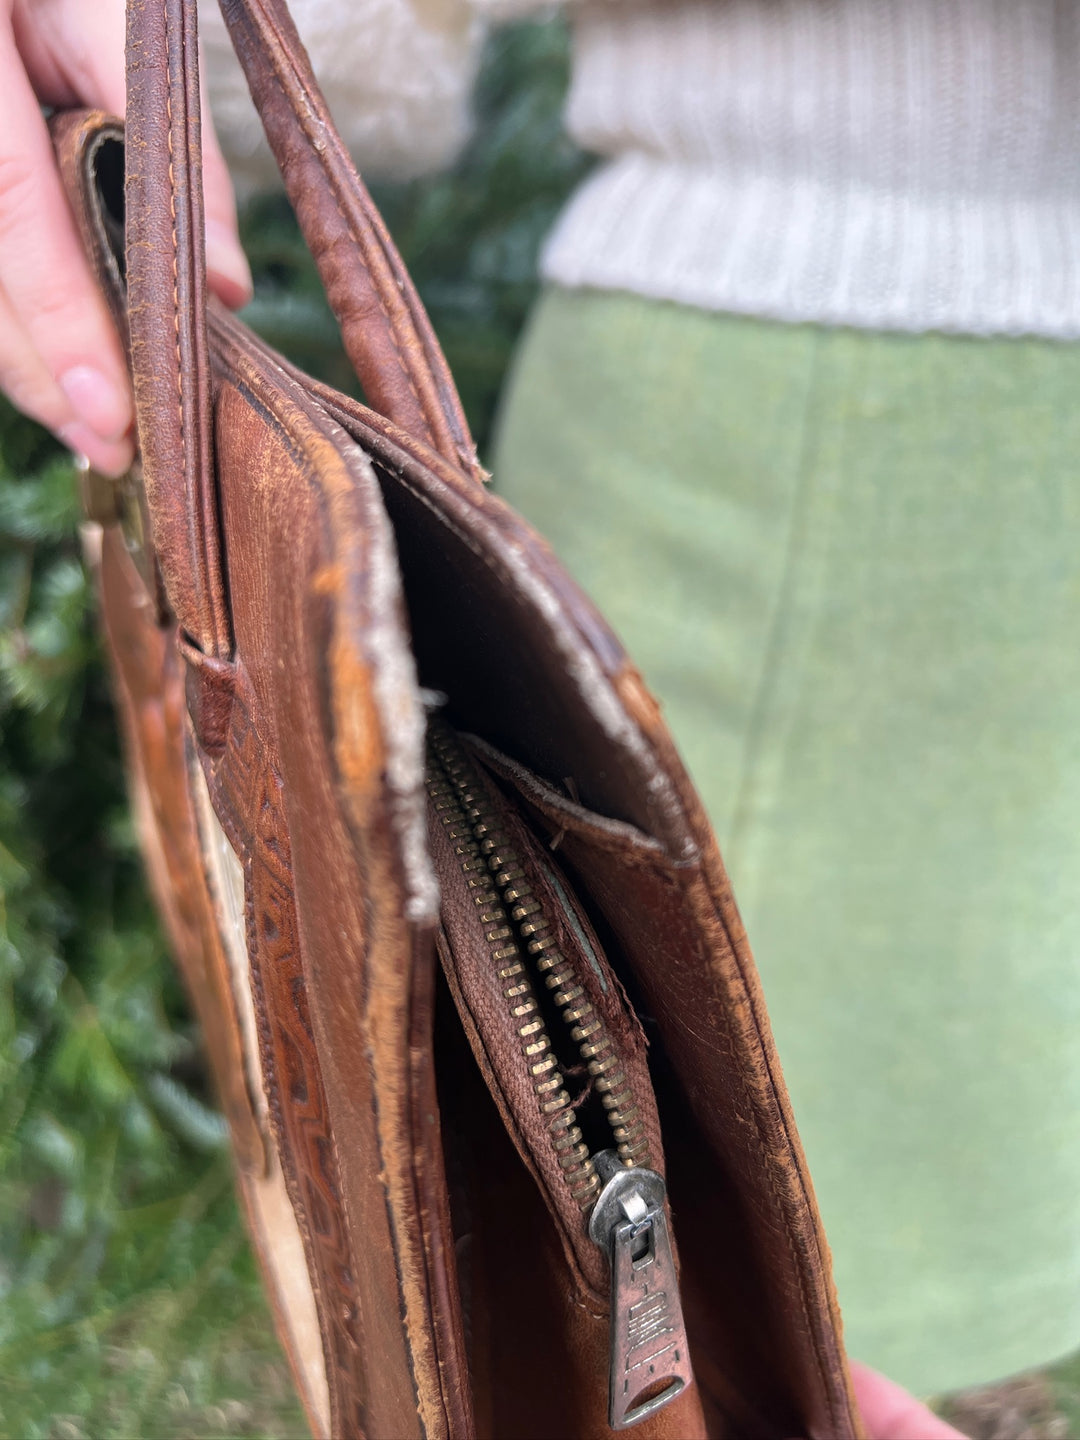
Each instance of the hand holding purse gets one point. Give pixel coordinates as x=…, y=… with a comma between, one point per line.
x=510, y=1132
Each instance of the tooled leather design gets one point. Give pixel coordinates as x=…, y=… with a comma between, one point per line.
x=148, y=682
x=148, y=677
x=166, y=271
x=305, y=541
x=247, y=796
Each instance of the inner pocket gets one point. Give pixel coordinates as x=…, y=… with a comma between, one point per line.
x=564, y=1058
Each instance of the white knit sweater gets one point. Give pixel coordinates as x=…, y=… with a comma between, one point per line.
x=896, y=164
x=397, y=75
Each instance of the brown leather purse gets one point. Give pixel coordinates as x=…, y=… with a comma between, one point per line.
x=477, y=998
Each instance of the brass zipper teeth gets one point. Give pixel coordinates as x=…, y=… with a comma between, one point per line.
x=452, y=806
x=502, y=891
x=596, y=1048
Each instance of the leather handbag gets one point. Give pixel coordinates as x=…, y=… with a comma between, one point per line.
x=510, y=1133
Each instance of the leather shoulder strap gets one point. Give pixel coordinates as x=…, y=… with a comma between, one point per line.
x=166, y=278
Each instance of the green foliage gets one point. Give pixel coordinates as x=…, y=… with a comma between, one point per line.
x=129, y=1304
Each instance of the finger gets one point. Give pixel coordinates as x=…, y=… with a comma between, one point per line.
x=73, y=52
x=25, y=381
x=890, y=1413
x=227, y=269
x=87, y=67
x=81, y=378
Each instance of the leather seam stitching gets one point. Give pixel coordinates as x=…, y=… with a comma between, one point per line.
x=175, y=235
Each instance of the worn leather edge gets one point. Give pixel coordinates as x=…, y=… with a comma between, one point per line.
x=77, y=136
x=710, y=894
x=166, y=278
x=362, y=984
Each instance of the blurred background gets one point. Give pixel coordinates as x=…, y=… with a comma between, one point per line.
x=129, y=1303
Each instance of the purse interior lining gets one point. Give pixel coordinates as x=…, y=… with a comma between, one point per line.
x=506, y=678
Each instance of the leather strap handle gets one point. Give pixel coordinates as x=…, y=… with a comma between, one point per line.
x=386, y=332
x=166, y=279
x=385, y=329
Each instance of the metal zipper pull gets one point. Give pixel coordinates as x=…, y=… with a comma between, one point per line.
x=650, y=1359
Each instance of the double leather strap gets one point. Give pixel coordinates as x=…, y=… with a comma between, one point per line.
x=166, y=270
x=386, y=333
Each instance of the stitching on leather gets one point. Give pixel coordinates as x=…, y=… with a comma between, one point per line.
x=175, y=235
x=200, y=555
x=429, y=433
x=656, y=867
x=671, y=883
x=812, y=1330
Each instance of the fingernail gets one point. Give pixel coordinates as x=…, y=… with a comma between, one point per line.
x=227, y=263
x=98, y=401
x=111, y=457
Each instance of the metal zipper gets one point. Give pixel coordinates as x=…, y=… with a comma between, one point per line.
x=621, y=1197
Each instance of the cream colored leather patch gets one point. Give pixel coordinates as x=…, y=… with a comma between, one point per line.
x=275, y=1230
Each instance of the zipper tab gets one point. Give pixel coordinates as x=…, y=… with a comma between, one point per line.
x=533, y=979
x=650, y=1359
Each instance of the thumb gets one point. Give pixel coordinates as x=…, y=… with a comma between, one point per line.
x=78, y=58
x=890, y=1413
x=227, y=270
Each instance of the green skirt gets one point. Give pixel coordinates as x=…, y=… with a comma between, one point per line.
x=849, y=564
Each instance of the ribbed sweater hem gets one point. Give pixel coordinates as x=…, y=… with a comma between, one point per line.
x=802, y=250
